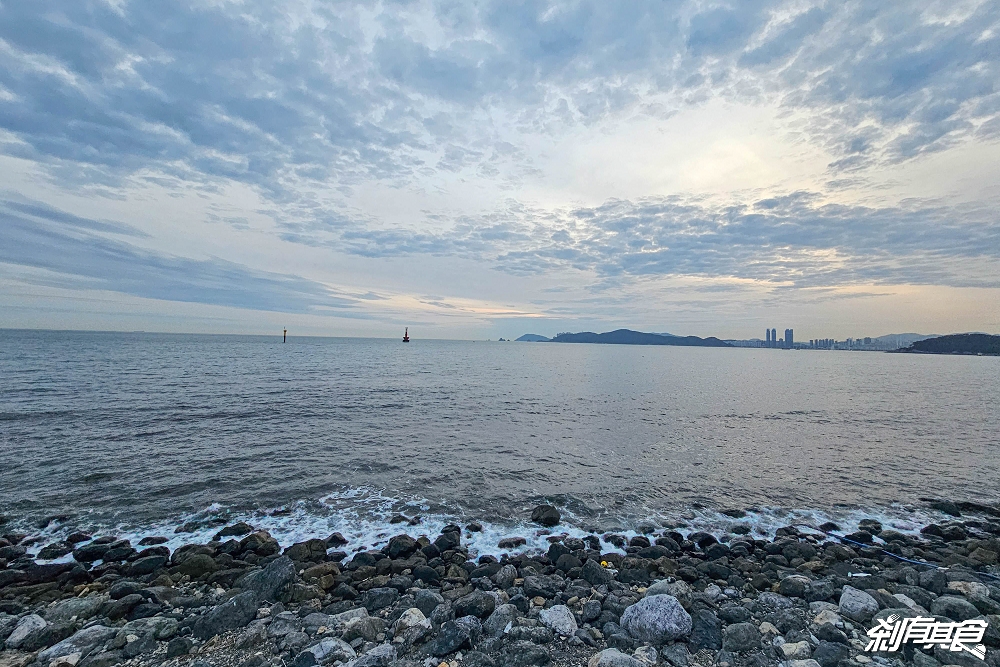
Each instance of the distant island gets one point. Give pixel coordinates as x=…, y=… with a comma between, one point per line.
x=969, y=343
x=626, y=337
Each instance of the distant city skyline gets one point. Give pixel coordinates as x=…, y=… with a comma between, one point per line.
x=473, y=170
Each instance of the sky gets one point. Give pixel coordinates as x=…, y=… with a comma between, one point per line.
x=486, y=169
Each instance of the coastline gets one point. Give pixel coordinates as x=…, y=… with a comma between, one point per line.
x=423, y=597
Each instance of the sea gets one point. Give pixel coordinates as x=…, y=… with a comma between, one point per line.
x=142, y=434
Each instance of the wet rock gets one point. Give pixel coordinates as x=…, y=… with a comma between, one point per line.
x=595, y=574
x=741, y=637
x=857, y=605
x=28, y=627
x=706, y=631
x=401, y=546
x=559, y=619
x=232, y=614
x=546, y=515
x=310, y=551
x=612, y=657
x=505, y=576
x=511, y=542
x=656, y=619
x=477, y=603
x=271, y=582
x=236, y=530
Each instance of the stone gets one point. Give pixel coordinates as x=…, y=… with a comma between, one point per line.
x=23, y=631
x=477, y=603
x=505, y=576
x=656, y=619
x=411, y=618
x=741, y=637
x=146, y=565
x=427, y=601
x=830, y=633
x=81, y=643
x=511, y=542
x=197, y=565
x=796, y=650
x=591, y=611
x=830, y=654
x=331, y=649
x=382, y=655
x=794, y=586
x=81, y=609
x=612, y=657
x=310, y=551
x=955, y=608
x=365, y=627
x=272, y=581
x=498, y=621
x=595, y=574
x=525, y=654
x=477, y=659
x=857, y=605
x=559, y=619
x=179, y=646
x=546, y=515
x=232, y=614
x=379, y=598
x=451, y=637
x=676, y=654
x=401, y=546
x=706, y=631
x=646, y=655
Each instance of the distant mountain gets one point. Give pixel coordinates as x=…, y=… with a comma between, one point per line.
x=629, y=337
x=664, y=333
x=969, y=343
x=533, y=338
x=902, y=339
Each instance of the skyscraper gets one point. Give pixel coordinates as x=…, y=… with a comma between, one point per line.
x=774, y=338
x=767, y=332
x=789, y=338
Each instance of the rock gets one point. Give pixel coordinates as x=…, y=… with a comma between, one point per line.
x=525, y=654
x=857, y=605
x=830, y=654
x=594, y=574
x=365, y=627
x=332, y=649
x=88, y=553
x=473, y=626
x=146, y=565
x=82, y=643
x=271, y=582
x=498, y=621
x=310, y=551
x=379, y=598
x=591, y=611
x=741, y=637
x=401, y=546
x=830, y=633
x=546, y=515
x=450, y=638
x=179, y=646
x=797, y=650
x=427, y=601
x=23, y=631
x=197, y=565
x=236, y=530
x=426, y=574
x=934, y=580
x=612, y=657
x=559, y=619
x=706, y=631
x=794, y=586
x=676, y=654
x=81, y=608
x=382, y=655
x=477, y=659
x=505, y=576
x=646, y=655
x=955, y=608
x=511, y=542
x=411, y=618
x=477, y=603
x=656, y=619
x=232, y=614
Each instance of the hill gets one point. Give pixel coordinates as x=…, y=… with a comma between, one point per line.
x=629, y=337
x=969, y=343
x=533, y=338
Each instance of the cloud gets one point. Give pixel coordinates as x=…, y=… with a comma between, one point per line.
x=71, y=255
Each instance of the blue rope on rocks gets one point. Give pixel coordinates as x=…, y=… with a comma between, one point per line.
x=887, y=552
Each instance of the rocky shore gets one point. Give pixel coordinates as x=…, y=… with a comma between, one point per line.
x=669, y=597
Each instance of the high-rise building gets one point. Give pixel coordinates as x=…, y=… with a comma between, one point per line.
x=774, y=338
x=789, y=339
x=767, y=332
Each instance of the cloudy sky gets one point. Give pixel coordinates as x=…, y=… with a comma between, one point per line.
x=485, y=169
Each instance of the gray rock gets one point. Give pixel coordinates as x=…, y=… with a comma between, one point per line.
x=473, y=626
x=829, y=654
x=83, y=642
x=379, y=598
x=591, y=611
x=594, y=574
x=505, y=577
x=365, y=627
x=271, y=582
x=647, y=655
x=794, y=586
x=382, y=655
x=741, y=637
x=476, y=603
x=612, y=657
x=546, y=515
x=525, y=654
x=656, y=619
x=426, y=601
x=411, y=618
x=477, y=659
x=559, y=619
x=331, y=649
x=504, y=615
x=82, y=608
x=232, y=614
x=451, y=637
x=283, y=624
x=25, y=628
x=960, y=658
x=676, y=654
x=857, y=605
x=955, y=608
x=706, y=631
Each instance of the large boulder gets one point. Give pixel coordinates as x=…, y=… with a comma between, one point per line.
x=476, y=603
x=954, y=607
x=83, y=642
x=272, y=581
x=28, y=626
x=740, y=637
x=857, y=605
x=595, y=574
x=546, y=515
x=612, y=657
x=332, y=649
x=656, y=619
x=81, y=609
x=559, y=619
x=401, y=546
x=229, y=615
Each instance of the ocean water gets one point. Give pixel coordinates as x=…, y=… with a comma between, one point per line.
x=141, y=433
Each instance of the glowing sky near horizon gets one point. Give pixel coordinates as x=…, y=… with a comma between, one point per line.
x=485, y=169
